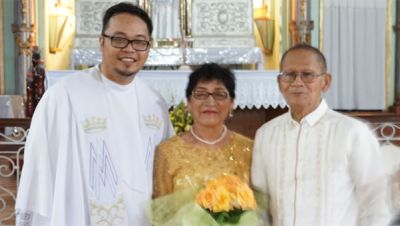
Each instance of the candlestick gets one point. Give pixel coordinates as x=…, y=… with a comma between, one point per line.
x=298, y=12
x=31, y=12
x=308, y=11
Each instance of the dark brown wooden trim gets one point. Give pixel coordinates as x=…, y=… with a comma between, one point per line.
x=247, y=121
x=396, y=106
x=18, y=122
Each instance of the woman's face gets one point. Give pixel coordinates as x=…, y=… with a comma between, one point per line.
x=210, y=103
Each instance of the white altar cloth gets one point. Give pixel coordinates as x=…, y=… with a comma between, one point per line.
x=180, y=56
x=254, y=89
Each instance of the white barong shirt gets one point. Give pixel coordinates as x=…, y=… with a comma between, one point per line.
x=324, y=171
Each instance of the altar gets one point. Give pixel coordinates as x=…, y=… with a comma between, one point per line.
x=254, y=89
x=174, y=57
x=257, y=94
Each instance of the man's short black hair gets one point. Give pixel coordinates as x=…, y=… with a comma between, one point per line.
x=211, y=72
x=303, y=46
x=126, y=7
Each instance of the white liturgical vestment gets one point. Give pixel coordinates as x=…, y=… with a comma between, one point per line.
x=89, y=154
x=322, y=171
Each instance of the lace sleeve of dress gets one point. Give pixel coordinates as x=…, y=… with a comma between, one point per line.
x=162, y=181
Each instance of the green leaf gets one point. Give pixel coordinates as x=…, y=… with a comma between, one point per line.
x=180, y=118
x=230, y=217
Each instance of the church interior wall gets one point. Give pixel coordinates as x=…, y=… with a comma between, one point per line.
x=8, y=47
x=279, y=11
x=1, y=52
x=315, y=16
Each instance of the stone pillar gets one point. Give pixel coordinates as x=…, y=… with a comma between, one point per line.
x=25, y=30
x=396, y=107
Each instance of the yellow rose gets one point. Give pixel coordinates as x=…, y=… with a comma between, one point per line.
x=245, y=199
x=226, y=193
x=222, y=200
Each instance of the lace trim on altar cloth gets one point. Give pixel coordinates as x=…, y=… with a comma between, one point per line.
x=255, y=89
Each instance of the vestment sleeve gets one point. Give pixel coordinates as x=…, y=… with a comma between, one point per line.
x=162, y=180
x=367, y=172
x=36, y=189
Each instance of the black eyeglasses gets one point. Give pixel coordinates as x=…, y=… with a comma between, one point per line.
x=203, y=95
x=306, y=77
x=121, y=43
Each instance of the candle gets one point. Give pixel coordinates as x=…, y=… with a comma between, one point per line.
x=294, y=10
x=298, y=12
x=32, y=7
x=308, y=11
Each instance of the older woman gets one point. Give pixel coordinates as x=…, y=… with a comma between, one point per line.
x=210, y=149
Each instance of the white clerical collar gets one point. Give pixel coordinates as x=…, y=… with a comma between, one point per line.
x=313, y=117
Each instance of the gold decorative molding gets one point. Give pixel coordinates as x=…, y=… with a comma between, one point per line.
x=301, y=32
x=321, y=26
x=301, y=24
x=186, y=18
x=25, y=31
x=146, y=5
x=25, y=47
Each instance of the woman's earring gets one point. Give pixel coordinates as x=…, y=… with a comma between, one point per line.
x=231, y=113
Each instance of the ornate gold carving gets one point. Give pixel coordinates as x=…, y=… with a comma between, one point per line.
x=25, y=34
x=301, y=24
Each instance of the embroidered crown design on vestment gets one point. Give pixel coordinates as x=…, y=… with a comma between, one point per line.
x=94, y=124
x=152, y=121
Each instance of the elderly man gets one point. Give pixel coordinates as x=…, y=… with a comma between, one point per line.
x=318, y=166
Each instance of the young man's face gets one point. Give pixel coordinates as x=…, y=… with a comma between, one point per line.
x=121, y=64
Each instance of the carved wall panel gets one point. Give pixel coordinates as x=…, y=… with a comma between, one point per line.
x=89, y=14
x=213, y=29
x=221, y=23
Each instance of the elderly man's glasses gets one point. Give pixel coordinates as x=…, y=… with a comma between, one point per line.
x=119, y=42
x=306, y=77
x=203, y=95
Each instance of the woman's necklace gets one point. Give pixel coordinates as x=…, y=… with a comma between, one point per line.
x=210, y=142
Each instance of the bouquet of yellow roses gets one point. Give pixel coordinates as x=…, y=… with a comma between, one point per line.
x=224, y=201
x=226, y=198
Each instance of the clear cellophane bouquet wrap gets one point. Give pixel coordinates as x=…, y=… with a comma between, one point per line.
x=224, y=201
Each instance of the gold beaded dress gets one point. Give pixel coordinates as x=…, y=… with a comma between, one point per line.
x=179, y=165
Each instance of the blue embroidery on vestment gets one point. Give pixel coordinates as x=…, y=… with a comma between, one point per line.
x=102, y=172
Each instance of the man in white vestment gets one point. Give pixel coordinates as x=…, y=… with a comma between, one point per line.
x=89, y=154
x=319, y=167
